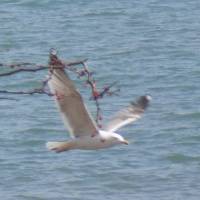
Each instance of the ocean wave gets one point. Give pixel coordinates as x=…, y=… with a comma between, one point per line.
x=181, y=158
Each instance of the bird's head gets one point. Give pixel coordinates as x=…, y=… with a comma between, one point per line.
x=119, y=139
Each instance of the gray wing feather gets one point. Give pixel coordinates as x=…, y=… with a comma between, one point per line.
x=128, y=115
x=73, y=111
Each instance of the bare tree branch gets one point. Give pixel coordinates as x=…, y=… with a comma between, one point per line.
x=29, y=92
x=8, y=98
x=54, y=61
x=14, y=65
x=36, y=68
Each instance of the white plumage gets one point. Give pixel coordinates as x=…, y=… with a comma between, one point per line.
x=84, y=132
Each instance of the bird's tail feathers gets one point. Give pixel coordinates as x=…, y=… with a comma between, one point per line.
x=58, y=146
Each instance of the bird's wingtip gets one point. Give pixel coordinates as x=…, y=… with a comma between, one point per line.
x=142, y=101
x=148, y=97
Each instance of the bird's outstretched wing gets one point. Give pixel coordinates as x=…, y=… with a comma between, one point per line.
x=129, y=114
x=71, y=106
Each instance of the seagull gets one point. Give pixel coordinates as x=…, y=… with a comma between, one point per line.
x=85, y=134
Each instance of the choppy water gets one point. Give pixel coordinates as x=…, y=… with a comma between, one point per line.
x=149, y=47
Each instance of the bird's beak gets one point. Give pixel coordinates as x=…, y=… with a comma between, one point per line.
x=125, y=142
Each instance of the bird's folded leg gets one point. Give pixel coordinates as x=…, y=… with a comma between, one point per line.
x=59, y=146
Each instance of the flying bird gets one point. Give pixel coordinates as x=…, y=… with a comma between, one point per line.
x=82, y=128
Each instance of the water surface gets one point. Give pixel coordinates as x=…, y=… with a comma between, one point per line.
x=149, y=47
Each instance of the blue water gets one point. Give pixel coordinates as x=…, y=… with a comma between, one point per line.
x=149, y=47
